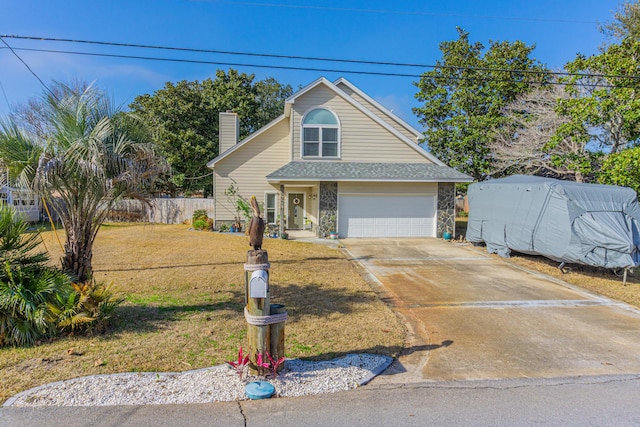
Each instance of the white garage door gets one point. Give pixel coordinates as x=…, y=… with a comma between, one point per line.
x=386, y=216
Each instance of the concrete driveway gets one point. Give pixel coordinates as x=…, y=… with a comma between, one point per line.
x=473, y=316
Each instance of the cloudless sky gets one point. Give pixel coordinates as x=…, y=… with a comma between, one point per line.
x=375, y=30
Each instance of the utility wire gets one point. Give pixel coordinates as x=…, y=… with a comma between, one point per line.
x=196, y=61
x=322, y=59
x=326, y=70
x=27, y=65
x=395, y=12
x=5, y=95
x=199, y=177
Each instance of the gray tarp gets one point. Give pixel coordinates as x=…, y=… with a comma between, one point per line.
x=590, y=224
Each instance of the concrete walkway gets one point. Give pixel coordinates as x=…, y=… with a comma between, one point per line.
x=473, y=316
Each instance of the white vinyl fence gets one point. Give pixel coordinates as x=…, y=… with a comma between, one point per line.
x=24, y=202
x=161, y=210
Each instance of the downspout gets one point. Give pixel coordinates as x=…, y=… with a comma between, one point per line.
x=213, y=194
x=281, y=225
x=282, y=193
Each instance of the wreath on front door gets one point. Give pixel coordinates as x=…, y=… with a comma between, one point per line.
x=296, y=201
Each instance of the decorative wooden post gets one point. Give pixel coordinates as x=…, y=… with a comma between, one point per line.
x=265, y=321
x=265, y=326
x=276, y=334
x=257, y=297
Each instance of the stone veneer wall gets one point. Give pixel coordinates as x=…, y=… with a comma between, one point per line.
x=446, y=208
x=328, y=208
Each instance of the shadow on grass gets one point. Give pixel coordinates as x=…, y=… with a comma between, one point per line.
x=144, y=318
x=316, y=300
x=213, y=264
x=310, y=300
x=294, y=261
x=361, y=258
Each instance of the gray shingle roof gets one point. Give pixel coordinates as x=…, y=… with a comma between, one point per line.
x=356, y=171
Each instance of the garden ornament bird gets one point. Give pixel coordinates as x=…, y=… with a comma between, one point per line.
x=256, y=226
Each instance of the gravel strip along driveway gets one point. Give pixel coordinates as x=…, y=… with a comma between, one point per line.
x=216, y=384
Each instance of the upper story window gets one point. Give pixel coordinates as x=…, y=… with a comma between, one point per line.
x=320, y=134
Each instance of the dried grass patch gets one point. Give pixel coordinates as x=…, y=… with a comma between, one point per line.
x=185, y=295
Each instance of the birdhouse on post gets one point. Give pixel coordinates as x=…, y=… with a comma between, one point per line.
x=265, y=322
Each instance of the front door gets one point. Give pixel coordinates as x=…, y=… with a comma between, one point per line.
x=295, y=220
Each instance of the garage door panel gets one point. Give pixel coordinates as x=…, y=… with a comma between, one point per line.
x=420, y=221
x=404, y=231
x=386, y=216
x=403, y=221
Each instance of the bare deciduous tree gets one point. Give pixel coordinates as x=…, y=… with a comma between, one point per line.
x=626, y=22
x=530, y=144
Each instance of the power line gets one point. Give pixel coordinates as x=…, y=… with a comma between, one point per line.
x=26, y=65
x=222, y=52
x=308, y=58
x=5, y=95
x=395, y=12
x=329, y=70
x=231, y=64
x=199, y=177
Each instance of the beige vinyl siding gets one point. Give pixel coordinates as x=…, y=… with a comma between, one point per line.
x=228, y=123
x=390, y=188
x=362, y=139
x=247, y=167
x=397, y=126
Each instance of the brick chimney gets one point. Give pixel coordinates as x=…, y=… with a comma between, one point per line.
x=229, y=130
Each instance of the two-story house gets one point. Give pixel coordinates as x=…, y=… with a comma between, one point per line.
x=336, y=160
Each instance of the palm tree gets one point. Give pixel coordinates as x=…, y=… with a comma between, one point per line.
x=92, y=155
x=28, y=287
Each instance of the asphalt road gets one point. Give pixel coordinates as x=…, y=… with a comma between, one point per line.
x=585, y=401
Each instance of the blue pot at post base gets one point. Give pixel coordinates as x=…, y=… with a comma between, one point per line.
x=447, y=236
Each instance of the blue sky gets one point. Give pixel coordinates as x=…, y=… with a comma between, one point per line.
x=374, y=30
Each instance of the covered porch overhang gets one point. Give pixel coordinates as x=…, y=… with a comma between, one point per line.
x=310, y=188
x=298, y=205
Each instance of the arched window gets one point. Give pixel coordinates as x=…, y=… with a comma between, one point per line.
x=320, y=134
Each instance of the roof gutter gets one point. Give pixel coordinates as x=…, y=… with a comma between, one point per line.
x=281, y=180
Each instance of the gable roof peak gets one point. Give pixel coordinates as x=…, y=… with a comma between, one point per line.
x=292, y=98
x=368, y=112
x=344, y=95
x=375, y=103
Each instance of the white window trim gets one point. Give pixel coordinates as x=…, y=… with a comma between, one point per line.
x=275, y=211
x=339, y=135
